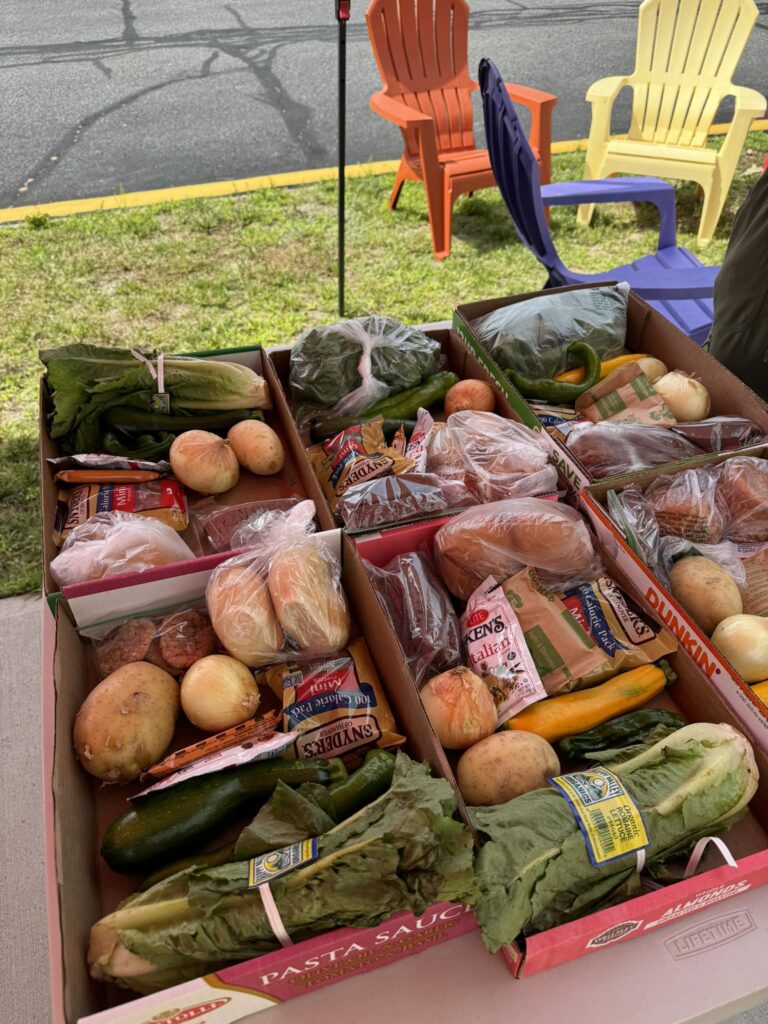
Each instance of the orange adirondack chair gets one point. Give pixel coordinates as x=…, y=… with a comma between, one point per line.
x=421, y=52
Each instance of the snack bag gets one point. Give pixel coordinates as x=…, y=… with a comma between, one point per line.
x=160, y=499
x=564, y=653
x=418, y=445
x=353, y=456
x=617, y=627
x=625, y=396
x=495, y=649
x=335, y=706
x=106, y=469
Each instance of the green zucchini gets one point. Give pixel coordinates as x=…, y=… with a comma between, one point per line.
x=545, y=389
x=129, y=420
x=325, y=429
x=406, y=404
x=166, y=823
x=623, y=731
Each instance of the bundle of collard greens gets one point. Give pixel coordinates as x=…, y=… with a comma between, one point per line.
x=534, y=871
x=401, y=852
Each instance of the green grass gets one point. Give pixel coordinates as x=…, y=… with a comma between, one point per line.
x=259, y=268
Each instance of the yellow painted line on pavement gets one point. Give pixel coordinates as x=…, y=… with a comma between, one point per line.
x=239, y=186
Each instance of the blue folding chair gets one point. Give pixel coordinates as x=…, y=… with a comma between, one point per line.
x=672, y=280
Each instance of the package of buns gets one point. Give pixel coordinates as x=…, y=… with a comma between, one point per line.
x=500, y=538
x=281, y=598
x=113, y=543
x=690, y=505
x=611, y=449
x=495, y=458
x=742, y=485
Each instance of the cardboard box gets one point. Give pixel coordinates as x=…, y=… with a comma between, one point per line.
x=458, y=358
x=648, y=332
x=80, y=887
x=696, y=700
x=745, y=706
x=295, y=479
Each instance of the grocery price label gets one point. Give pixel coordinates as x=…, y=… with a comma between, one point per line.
x=606, y=814
x=270, y=866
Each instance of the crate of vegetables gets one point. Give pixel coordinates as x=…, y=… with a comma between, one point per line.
x=583, y=741
x=695, y=542
x=149, y=460
x=423, y=431
x=259, y=812
x=618, y=388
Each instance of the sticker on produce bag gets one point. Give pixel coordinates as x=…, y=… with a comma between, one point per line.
x=495, y=649
x=609, y=820
x=268, y=867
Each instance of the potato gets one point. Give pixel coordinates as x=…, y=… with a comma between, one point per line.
x=257, y=447
x=126, y=723
x=705, y=590
x=503, y=766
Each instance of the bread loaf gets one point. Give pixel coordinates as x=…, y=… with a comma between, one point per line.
x=743, y=485
x=308, y=599
x=689, y=505
x=500, y=538
x=242, y=614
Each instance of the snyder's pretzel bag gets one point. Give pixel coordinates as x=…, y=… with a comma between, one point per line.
x=353, y=457
x=335, y=706
x=161, y=499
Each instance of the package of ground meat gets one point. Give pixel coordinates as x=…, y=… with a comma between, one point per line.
x=217, y=522
x=173, y=640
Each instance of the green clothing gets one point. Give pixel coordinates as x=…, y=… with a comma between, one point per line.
x=739, y=335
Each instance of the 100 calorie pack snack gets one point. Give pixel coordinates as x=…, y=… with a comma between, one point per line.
x=334, y=706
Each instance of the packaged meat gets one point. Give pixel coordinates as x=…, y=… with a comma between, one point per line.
x=720, y=433
x=742, y=485
x=496, y=458
x=163, y=500
x=611, y=449
x=218, y=522
x=502, y=537
x=421, y=612
x=112, y=543
x=625, y=396
x=400, y=499
x=690, y=505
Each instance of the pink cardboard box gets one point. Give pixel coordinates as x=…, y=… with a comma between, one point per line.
x=697, y=699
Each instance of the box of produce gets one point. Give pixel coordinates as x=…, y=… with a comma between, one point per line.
x=591, y=753
x=695, y=543
x=152, y=460
x=243, y=807
x=615, y=384
x=431, y=435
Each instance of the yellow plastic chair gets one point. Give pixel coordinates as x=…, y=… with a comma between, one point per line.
x=687, y=51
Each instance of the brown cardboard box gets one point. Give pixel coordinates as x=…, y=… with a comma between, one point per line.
x=648, y=332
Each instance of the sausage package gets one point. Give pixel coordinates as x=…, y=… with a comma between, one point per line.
x=334, y=706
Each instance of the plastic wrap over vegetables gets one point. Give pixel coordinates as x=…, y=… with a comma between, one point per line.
x=346, y=367
x=532, y=337
x=399, y=499
x=282, y=598
x=534, y=870
x=496, y=458
x=111, y=543
x=421, y=612
x=502, y=537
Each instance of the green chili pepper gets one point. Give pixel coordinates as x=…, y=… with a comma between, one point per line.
x=546, y=389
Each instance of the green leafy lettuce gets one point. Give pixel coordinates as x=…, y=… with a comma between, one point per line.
x=534, y=872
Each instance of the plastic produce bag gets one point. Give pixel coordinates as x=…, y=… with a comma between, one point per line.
x=611, y=449
x=283, y=598
x=533, y=336
x=112, y=543
x=496, y=458
x=400, y=499
x=689, y=505
x=421, y=612
x=635, y=517
x=725, y=554
x=742, y=486
x=347, y=366
x=173, y=641
x=501, y=538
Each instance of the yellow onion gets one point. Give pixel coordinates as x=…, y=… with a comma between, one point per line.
x=218, y=692
x=687, y=398
x=743, y=640
x=204, y=462
x=460, y=708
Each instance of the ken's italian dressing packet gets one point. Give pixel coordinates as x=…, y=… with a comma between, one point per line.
x=495, y=649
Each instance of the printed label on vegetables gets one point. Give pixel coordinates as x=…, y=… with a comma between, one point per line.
x=606, y=814
x=495, y=649
x=270, y=866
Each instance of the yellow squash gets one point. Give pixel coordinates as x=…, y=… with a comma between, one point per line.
x=557, y=717
x=761, y=690
x=607, y=366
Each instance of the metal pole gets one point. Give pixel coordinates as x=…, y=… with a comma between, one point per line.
x=342, y=16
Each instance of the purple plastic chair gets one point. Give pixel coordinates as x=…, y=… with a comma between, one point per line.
x=671, y=280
